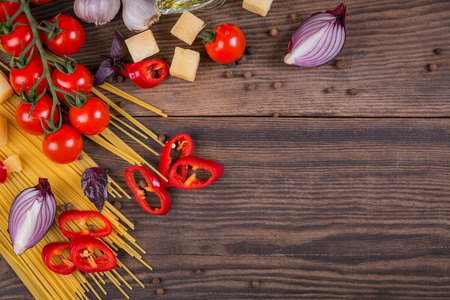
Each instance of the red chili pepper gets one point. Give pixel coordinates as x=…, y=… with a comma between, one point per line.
x=81, y=216
x=67, y=267
x=185, y=144
x=83, y=255
x=146, y=74
x=192, y=183
x=153, y=185
x=3, y=172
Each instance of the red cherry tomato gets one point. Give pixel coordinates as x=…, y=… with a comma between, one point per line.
x=79, y=80
x=69, y=41
x=28, y=76
x=92, y=118
x=40, y=1
x=228, y=45
x=10, y=7
x=63, y=146
x=21, y=35
x=32, y=123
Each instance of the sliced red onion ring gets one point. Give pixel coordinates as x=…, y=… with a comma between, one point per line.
x=317, y=40
x=31, y=216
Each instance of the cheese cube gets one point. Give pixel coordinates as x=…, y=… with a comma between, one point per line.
x=13, y=163
x=6, y=90
x=185, y=63
x=187, y=27
x=260, y=7
x=142, y=45
x=3, y=131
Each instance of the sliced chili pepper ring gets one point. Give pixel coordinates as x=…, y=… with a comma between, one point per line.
x=178, y=177
x=82, y=216
x=181, y=142
x=83, y=253
x=147, y=74
x=52, y=249
x=154, y=185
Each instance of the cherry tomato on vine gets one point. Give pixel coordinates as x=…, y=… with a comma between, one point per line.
x=10, y=7
x=28, y=76
x=69, y=41
x=40, y=1
x=63, y=146
x=32, y=123
x=22, y=34
x=92, y=118
x=225, y=43
x=80, y=79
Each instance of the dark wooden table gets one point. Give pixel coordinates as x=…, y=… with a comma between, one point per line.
x=340, y=196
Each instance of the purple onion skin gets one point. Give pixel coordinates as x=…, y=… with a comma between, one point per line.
x=333, y=39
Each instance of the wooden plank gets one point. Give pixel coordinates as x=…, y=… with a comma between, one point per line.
x=389, y=45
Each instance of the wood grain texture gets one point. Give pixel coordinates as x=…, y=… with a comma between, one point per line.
x=310, y=208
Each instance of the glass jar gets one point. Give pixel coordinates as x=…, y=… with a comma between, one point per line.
x=179, y=6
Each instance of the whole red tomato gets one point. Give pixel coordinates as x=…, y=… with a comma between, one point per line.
x=22, y=34
x=10, y=7
x=226, y=45
x=69, y=41
x=92, y=118
x=63, y=146
x=80, y=79
x=32, y=123
x=40, y=1
x=28, y=76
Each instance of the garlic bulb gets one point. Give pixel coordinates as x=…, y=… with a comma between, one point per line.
x=98, y=12
x=138, y=15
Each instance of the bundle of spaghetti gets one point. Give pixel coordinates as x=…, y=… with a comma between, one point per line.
x=65, y=183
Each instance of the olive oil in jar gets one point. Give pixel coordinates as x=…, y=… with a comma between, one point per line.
x=179, y=6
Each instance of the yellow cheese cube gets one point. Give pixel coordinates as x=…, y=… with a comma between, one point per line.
x=185, y=63
x=3, y=131
x=13, y=163
x=187, y=27
x=5, y=88
x=260, y=7
x=142, y=45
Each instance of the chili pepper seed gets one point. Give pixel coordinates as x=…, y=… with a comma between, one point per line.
x=277, y=85
x=432, y=67
x=273, y=32
x=159, y=291
x=292, y=17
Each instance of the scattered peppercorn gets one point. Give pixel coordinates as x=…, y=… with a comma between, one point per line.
x=117, y=205
x=254, y=284
x=229, y=74
x=241, y=60
x=292, y=17
x=62, y=208
x=438, y=51
x=142, y=183
x=120, y=78
x=91, y=227
x=69, y=206
x=276, y=115
x=156, y=281
x=247, y=74
x=162, y=138
x=120, y=104
x=198, y=272
x=352, y=92
x=80, y=157
x=250, y=87
x=277, y=85
x=159, y=291
x=341, y=64
x=432, y=67
x=273, y=32
x=328, y=90
x=232, y=64
x=110, y=79
x=248, y=50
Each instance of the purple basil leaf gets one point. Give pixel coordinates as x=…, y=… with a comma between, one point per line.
x=104, y=72
x=119, y=49
x=94, y=182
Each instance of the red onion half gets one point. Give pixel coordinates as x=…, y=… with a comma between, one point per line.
x=317, y=40
x=31, y=216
